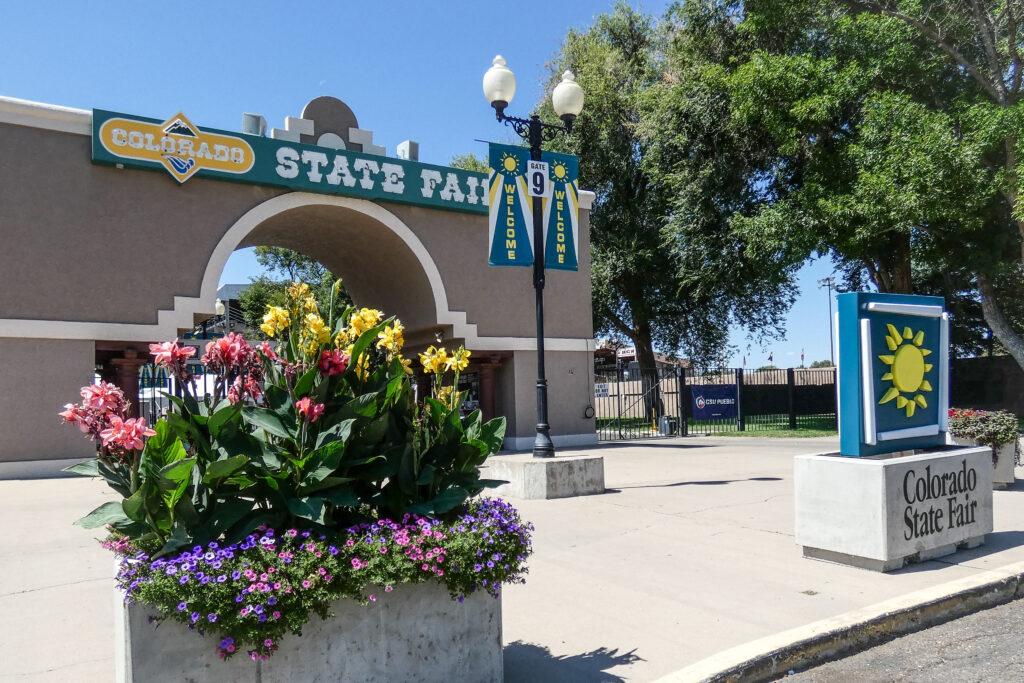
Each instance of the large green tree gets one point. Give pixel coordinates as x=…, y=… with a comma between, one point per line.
x=896, y=127
x=668, y=271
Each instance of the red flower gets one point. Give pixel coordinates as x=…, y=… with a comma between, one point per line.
x=309, y=410
x=333, y=362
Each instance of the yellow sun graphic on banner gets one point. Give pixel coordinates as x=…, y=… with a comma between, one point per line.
x=560, y=170
x=509, y=162
x=908, y=369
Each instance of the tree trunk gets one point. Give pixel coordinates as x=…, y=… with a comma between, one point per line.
x=1001, y=327
x=653, y=405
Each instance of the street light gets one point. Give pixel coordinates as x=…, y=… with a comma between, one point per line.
x=567, y=99
x=831, y=283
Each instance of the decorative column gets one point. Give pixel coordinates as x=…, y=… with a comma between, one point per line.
x=126, y=377
x=487, y=387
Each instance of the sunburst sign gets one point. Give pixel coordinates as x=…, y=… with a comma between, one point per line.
x=908, y=371
x=893, y=376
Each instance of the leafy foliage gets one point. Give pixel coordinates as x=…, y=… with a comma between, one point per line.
x=319, y=429
x=283, y=267
x=671, y=174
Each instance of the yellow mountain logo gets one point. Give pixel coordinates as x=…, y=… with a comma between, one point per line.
x=179, y=146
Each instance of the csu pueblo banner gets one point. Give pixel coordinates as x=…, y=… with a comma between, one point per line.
x=713, y=401
x=183, y=150
x=511, y=195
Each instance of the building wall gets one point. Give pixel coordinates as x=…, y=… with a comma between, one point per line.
x=570, y=392
x=37, y=377
x=97, y=253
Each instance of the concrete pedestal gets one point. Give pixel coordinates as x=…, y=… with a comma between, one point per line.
x=883, y=512
x=416, y=633
x=563, y=476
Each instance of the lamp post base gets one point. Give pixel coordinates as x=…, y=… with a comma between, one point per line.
x=542, y=444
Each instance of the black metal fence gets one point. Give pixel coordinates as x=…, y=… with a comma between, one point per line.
x=680, y=401
x=154, y=384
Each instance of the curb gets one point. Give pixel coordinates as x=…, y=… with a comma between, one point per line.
x=823, y=641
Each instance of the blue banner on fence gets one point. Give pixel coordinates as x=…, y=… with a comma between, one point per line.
x=714, y=401
x=510, y=215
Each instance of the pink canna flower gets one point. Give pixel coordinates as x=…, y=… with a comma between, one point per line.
x=333, y=362
x=171, y=354
x=126, y=434
x=309, y=410
x=103, y=397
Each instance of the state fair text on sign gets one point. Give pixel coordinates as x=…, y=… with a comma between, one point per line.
x=183, y=150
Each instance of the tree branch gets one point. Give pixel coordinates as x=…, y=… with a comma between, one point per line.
x=930, y=32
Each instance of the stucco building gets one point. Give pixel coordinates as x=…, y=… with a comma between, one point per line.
x=100, y=259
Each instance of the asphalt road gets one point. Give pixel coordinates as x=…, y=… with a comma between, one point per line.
x=985, y=646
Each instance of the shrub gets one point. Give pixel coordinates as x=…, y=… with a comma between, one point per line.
x=315, y=430
x=990, y=428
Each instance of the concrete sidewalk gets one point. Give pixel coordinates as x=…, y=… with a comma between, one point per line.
x=689, y=553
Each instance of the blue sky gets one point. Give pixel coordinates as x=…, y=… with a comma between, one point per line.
x=409, y=70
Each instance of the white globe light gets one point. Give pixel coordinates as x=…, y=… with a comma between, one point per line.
x=218, y=307
x=567, y=97
x=499, y=82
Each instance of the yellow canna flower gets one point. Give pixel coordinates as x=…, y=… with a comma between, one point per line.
x=275, y=320
x=459, y=360
x=362, y=368
x=309, y=305
x=298, y=290
x=391, y=337
x=363, y=320
x=406, y=364
x=316, y=328
x=448, y=394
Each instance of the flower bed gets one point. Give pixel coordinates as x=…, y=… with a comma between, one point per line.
x=309, y=475
x=254, y=592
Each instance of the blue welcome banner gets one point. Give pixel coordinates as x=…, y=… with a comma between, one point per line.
x=510, y=214
x=561, y=214
x=714, y=401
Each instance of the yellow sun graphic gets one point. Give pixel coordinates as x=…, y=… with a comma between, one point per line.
x=510, y=162
x=908, y=370
x=560, y=171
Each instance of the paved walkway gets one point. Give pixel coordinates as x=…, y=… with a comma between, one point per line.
x=690, y=552
x=984, y=646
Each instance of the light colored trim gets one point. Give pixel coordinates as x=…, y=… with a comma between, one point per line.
x=185, y=308
x=525, y=443
x=905, y=309
x=49, y=116
x=944, y=373
x=867, y=383
x=586, y=199
x=909, y=433
x=37, y=469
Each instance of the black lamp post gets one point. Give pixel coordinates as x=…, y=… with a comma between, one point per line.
x=567, y=98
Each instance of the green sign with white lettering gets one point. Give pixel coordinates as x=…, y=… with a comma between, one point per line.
x=182, y=149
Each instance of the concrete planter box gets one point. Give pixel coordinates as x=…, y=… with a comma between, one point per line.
x=884, y=512
x=1004, y=462
x=415, y=633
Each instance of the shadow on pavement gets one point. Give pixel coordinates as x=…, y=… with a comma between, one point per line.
x=995, y=542
x=707, y=482
x=647, y=444
x=535, y=663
